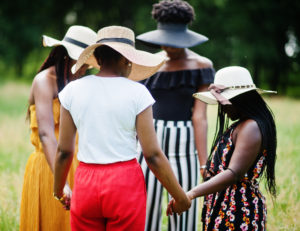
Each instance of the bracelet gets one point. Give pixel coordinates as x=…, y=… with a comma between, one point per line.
x=234, y=173
x=57, y=198
x=202, y=166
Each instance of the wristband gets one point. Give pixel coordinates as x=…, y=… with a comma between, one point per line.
x=202, y=166
x=61, y=199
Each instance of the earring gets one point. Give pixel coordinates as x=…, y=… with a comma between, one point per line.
x=129, y=64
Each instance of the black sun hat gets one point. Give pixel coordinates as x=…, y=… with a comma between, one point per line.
x=172, y=35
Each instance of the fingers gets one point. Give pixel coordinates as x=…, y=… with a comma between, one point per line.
x=170, y=208
x=66, y=202
x=67, y=191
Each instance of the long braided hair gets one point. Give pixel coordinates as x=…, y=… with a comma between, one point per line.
x=251, y=105
x=59, y=58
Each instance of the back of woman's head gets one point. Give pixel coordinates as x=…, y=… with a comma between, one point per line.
x=251, y=105
x=106, y=55
x=176, y=11
x=59, y=58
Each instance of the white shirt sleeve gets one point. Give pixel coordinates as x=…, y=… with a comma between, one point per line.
x=65, y=97
x=144, y=100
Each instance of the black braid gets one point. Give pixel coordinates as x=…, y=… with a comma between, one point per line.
x=59, y=58
x=176, y=11
x=251, y=105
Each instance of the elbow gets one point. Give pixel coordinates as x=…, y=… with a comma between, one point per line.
x=200, y=122
x=44, y=135
x=64, y=154
x=152, y=158
x=199, y=119
x=235, y=175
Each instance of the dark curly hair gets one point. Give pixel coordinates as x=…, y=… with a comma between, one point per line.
x=176, y=11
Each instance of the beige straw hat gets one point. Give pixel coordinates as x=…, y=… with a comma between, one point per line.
x=121, y=39
x=234, y=80
x=76, y=39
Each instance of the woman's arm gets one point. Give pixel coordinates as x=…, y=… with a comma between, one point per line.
x=199, y=119
x=43, y=92
x=65, y=150
x=247, y=147
x=157, y=161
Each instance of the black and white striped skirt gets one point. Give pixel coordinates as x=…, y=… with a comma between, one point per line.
x=176, y=139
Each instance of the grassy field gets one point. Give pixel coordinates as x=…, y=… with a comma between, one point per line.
x=15, y=148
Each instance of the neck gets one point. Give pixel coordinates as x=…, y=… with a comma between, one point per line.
x=109, y=72
x=179, y=54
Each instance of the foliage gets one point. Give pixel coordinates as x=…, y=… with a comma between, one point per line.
x=250, y=33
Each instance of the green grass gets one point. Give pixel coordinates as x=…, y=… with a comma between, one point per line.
x=15, y=148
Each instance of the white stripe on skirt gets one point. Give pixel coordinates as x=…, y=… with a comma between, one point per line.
x=176, y=139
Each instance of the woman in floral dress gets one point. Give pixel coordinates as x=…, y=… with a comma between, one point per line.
x=240, y=155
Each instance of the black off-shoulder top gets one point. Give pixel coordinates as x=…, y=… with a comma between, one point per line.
x=173, y=92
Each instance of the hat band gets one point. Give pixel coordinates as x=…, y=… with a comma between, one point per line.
x=75, y=42
x=119, y=40
x=172, y=26
x=242, y=86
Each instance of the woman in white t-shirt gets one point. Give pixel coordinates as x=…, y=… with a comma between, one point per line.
x=109, y=110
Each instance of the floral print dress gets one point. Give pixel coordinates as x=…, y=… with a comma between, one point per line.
x=240, y=206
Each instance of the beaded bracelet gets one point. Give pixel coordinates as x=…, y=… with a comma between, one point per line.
x=61, y=199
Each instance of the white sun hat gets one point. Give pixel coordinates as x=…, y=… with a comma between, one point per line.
x=122, y=40
x=233, y=81
x=76, y=39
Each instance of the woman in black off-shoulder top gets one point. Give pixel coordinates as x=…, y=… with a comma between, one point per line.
x=180, y=121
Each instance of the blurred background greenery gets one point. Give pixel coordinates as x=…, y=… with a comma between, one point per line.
x=262, y=35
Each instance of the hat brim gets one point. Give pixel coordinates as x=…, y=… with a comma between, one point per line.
x=208, y=98
x=73, y=50
x=144, y=64
x=172, y=38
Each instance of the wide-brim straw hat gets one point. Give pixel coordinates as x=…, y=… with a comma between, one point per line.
x=236, y=80
x=122, y=40
x=172, y=35
x=76, y=39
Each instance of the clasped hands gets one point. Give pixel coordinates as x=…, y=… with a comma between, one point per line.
x=65, y=197
x=178, y=207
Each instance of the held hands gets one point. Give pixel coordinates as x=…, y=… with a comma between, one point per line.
x=65, y=199
x=178, y=206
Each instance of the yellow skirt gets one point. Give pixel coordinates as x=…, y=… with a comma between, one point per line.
x=39, y=209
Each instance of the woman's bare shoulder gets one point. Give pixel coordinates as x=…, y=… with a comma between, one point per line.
x=202, y=62
x=43, y=83
x=248, y=128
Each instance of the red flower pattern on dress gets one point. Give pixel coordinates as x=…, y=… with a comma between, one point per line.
x=240, y=206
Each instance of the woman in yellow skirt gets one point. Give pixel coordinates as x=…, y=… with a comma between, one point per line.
x=39, y=209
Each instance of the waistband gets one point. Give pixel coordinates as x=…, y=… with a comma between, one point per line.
x=116, y=164
x=171, y=123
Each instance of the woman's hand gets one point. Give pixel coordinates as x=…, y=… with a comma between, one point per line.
x=65, y=198
x=170, y=207
x=178, y=206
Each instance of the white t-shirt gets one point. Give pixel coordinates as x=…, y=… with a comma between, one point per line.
x=104, y=110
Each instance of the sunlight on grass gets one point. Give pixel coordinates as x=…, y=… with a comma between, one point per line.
x=15, y=148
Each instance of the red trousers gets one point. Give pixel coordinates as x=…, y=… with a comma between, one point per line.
x=110, y=197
